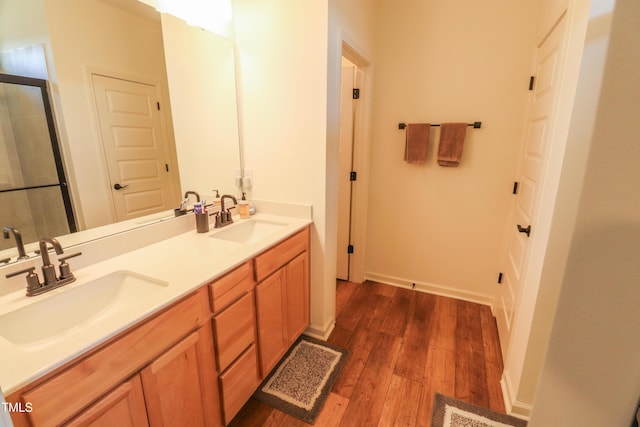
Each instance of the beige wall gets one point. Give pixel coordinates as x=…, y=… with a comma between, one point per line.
x=592, y=365
x=22, y=23
x=282, y=58
x=444, y=228
x=289, y=83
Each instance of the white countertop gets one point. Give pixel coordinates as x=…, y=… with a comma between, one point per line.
x=185, y=262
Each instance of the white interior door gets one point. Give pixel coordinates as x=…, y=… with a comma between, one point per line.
x=538, y=132
x=135, y=146
x=347, y=83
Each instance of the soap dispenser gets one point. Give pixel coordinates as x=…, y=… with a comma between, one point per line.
x=243, y=207
x=216, y=199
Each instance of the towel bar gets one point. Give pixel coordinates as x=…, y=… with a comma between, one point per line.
x=476, y=125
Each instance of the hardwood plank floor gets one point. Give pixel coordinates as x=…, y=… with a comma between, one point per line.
x=404, y=346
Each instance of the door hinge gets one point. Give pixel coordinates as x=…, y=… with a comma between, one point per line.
x=166, y=167
x=158, y=105
x=515, y=187
x=353, y=175
x=356, y=93
x=500, y=278
x=350, y=249
x=531, y=81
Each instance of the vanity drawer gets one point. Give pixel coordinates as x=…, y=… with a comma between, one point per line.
x=234, y=330
x=274, y=258
x=231, y=286
x=238, y=383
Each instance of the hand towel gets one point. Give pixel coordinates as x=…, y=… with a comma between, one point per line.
x=417, y=142
x=451, y=143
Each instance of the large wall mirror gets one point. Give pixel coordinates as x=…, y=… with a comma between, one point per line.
x=144, y=106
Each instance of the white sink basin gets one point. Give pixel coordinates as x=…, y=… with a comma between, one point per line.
x=70, y=309
x=248, y=231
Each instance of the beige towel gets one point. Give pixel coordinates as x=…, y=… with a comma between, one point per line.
x=451, y=143
x=417, y=142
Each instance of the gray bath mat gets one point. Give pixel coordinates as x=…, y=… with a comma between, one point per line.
x=300, y=383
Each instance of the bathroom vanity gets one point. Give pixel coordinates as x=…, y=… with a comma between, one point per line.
x=183, y=332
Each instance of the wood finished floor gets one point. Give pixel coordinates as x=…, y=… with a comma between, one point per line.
x=403, y=347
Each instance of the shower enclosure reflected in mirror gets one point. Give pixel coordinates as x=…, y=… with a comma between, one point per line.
x=33, y=188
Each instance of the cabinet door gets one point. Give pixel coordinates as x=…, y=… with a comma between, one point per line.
x=270, y=305
x=123, y=407
x=297, y=284
x=180, y=386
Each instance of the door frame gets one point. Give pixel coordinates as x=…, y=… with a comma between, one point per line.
x=360, y=161
x=348, y=106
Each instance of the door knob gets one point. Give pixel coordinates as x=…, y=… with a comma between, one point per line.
x=526, y=230
x=119, y=187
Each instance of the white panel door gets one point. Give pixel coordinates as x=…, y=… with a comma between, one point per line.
x=135, y=146
x=538, y=132
x=347, y=84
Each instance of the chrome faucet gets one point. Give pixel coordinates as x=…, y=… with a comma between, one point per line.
x=19, y=244
x=51, y=280
x=224, y=218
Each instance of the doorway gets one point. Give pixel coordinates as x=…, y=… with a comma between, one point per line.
x=355, y=88
x=348, y=89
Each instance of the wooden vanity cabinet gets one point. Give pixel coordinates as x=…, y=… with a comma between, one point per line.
x=195, y=363
x=160, y=371
x=282, y=297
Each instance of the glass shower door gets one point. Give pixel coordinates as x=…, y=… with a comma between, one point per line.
x=34, y=196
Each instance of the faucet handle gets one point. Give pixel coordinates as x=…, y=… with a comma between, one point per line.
x=64, y=258
x=29, y=270
x=65, y=269
x=33, y=282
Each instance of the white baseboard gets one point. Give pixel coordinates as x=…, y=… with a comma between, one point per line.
x=320, y=332
x=511, y=405
x=431, y=288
